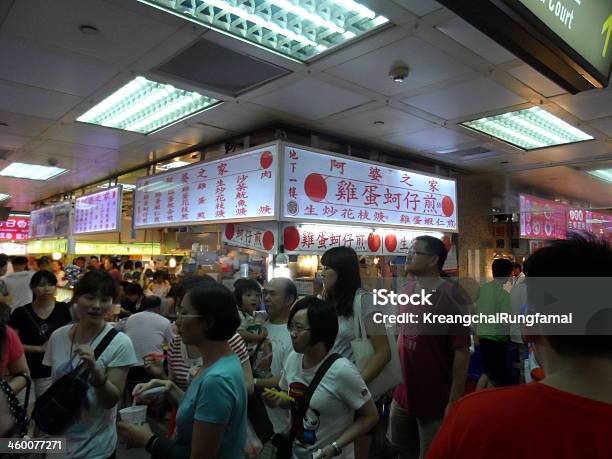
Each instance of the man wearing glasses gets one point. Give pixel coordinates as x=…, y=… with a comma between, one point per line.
x=434, y=360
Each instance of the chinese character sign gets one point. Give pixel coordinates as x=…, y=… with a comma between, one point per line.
x=309, y=238
x=98, y=212
x=577, y=220
x=51, y=221
x=262, y=236
x=15, y=229
x=322, y=187
x=237, y=187
x=541, y=218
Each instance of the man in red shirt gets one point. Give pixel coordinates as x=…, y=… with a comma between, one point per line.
x=569, y=413
x=434, y=358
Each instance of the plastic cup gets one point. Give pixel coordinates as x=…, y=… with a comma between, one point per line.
x=134, y=414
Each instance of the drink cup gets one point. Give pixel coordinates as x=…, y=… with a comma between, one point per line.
x=136, y=414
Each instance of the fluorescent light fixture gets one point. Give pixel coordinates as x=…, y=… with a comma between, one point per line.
x=146, y=106
x=602, y=174
x=298, y=29
x=172, y=165
x=528, y=129
x=4, y=197
x=31, y=171
x=126, y=186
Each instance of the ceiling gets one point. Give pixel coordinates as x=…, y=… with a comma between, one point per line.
x=55, y=73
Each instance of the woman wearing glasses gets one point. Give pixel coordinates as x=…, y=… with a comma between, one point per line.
x=342, y=288
x=211, y=416
x=341, y=408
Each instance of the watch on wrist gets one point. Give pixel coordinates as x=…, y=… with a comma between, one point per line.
x=337, y=449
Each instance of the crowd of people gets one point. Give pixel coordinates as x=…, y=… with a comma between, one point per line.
x=260, y=372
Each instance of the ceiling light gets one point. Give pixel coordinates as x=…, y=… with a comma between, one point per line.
x=172, y=165
x=126, y=186
x=31, y=171
x=529, y=129
x=300, y=30
x=146, y=106
x=602, y=174
x=4, y=197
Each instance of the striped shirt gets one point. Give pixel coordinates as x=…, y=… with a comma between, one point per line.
x=182, y=365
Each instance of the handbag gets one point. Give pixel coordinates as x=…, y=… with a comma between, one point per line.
x=18, y=413
x=284, y=442
x=60, y=404
x=391, y=374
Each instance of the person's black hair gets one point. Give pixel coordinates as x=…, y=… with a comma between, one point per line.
x=580, y=255
x=81, y=258
x=138, y=265
x=148, y=273
x=159, y=275
x=4, y=259
x=90, y=268
x=191, y=282
x=150, y=302
x=243, y=285
x=322, y=320
x=41, y=275
x=133, y=288
x=215, y=303
x=517, y=265
x=96, y=282
x=93, y=257
x=435, y=246
x=344, y=261
x=44, y=260
x=20, y=261
x=5, y=312
x=501, y=267
x=124, y=283
x=128, y=265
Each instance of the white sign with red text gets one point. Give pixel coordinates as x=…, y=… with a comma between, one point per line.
x=240, y=187
x=98, y=212
x=257, y=236
x=15, y=229
x=323, y=187
x=316, y=239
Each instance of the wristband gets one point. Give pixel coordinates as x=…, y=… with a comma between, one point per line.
x=337, y=449
x=150, y=443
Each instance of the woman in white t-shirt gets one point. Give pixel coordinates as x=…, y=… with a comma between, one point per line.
x=341, y=408
x=93, y=434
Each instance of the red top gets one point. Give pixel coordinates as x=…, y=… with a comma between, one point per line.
x=528, y=421
x=12, y=350
x=427, y=352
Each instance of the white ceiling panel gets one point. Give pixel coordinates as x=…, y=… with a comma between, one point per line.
x=468, y=98
x=150, y=145
x=234, y=117
x=27, y=126
x=589, y=105
x=604, y=125
x=95, y=136
x=427, y=65
x=123, y=35
x=53, y=148
x=419, y=7
x=11, y=141
x=363, y=123
x=311, y=99
x=476, y=41
x=36, y=102
x=536, y=81
x=429, y=139
x=52, y=68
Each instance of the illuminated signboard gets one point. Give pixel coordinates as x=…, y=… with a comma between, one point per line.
x=15, y=229
x=98, y=212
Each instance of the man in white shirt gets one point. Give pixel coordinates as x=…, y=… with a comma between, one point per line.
x=18, y=283
x=269, y=358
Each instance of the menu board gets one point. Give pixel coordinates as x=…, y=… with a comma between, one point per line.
x=326, y=188
x=98, y=212
x=15, y=229
x=541, y=218
x=600, y=224
x=263, y=236
x=10, y=248
x=51, y=221
x=316, y=239
x=577, y=219
x=240, y=187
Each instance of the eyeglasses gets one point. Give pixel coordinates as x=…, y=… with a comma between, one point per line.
x=180, y=315
x=299, y=328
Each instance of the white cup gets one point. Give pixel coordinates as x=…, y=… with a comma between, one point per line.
x=136, y=414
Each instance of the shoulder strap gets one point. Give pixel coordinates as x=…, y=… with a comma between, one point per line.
x=359, y=330
x=40, y=332
x=101, y=347
x=312, y=387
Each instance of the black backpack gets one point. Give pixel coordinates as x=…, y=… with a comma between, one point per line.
x=60, y=404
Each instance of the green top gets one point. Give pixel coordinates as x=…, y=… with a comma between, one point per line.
x=491, y=300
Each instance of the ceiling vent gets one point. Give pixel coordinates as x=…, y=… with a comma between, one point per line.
x=471, y=154
x=213, y=67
